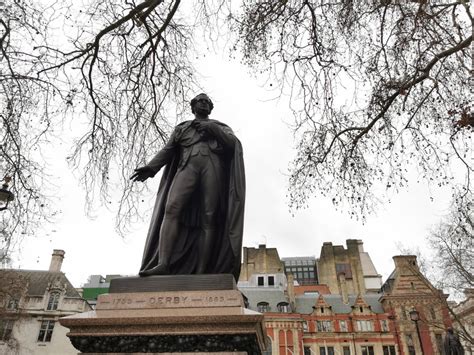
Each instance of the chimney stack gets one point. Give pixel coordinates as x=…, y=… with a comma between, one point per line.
x=406, y=263
x=56, y=260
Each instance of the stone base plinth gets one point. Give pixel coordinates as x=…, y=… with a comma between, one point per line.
x=212, y=321
x=194, y=353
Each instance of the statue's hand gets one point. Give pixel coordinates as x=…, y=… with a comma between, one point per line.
x=203, y=126
x=143, y=173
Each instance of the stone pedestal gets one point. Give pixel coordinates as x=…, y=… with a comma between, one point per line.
x=169, y=314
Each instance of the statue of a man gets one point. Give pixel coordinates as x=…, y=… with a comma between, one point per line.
x=197, y=222
x=452, y=345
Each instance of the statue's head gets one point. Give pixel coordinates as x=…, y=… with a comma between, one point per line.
x=450, y=330
x=202, y=103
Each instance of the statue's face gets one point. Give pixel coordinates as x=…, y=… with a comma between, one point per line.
x=202, y=104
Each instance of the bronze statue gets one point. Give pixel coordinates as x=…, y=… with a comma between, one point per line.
x=452, y=345
x=197, y=221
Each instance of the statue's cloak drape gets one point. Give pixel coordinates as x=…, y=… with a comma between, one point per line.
x=226, y=254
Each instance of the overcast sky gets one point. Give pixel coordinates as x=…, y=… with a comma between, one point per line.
x=262, y=125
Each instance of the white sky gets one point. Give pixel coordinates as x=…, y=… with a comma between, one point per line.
x=93, y=247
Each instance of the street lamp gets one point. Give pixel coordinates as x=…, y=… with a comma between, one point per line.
x=415, y=317
x=5, y=195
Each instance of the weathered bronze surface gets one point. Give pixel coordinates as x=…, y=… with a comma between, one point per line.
x=197, y=222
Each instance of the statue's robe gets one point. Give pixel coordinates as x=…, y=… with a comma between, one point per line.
x=226, y=253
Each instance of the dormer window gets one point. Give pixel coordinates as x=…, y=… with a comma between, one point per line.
x=13, y=304
x=53, y=301
x=283, y=307
x=263, y=307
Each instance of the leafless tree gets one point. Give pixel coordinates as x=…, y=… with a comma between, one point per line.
x=27, y=111
x=447, y=263
x=133, y=81
x=453, y=244
x=117, y=73
x=13, y=289
x=375, y=86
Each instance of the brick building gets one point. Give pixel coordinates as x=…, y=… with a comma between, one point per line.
x=343, y=311
x=407, y=290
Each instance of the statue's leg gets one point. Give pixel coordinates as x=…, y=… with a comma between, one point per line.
x=180, y=192
x=211, y=187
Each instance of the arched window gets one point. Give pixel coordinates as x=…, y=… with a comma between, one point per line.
x=53, y=301
x=263, y=307
x=283, y=307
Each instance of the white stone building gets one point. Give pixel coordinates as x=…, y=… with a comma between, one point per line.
x=31, y=302
x=464, y=321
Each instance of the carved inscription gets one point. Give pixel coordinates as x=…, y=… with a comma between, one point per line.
x=168, y=300
x=215, y=299
x=165, y=301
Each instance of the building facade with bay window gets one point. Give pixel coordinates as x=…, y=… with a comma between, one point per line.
x=31, y=302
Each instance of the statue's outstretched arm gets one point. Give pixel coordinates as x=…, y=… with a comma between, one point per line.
x=162, y=158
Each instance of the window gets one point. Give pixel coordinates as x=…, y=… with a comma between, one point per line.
x=439, y=343
x=46, y=331
x=384, y=325
x=346, y=350
x=53, y=301
x=365, y=326
x=6, y=326
x=344, y=269
x=343, y=325
x=263, y=307
x=283, y=307
x=324, y=325
x=327, y=350
x=403, y=312
x=13, y=304
x=389, y=350
x=410, y=345
x=367, y=350
x=307, y=350
x=260, y=281
x=271, y=280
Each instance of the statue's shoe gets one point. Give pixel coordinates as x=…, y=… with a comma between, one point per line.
x=160, y=269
